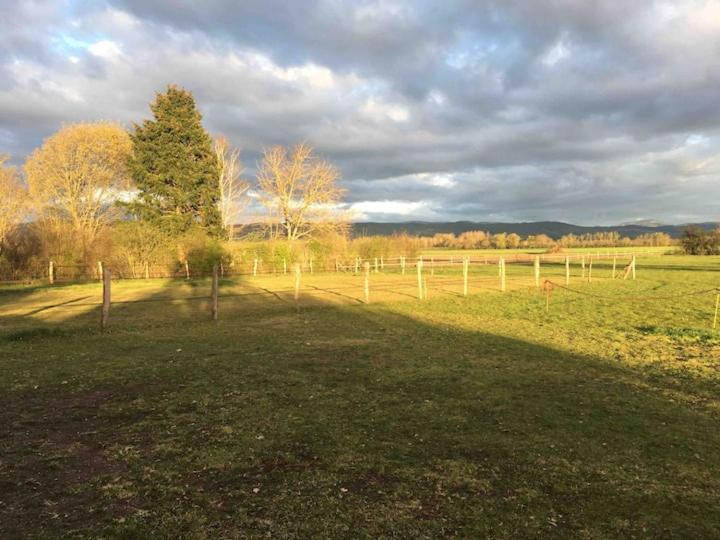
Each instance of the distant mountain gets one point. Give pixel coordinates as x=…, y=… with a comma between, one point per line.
x=554, y=229
x=645, y=223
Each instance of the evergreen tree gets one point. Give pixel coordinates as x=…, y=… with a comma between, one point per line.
x=174, y=167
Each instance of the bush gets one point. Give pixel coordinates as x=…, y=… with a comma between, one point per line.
x=698, y=241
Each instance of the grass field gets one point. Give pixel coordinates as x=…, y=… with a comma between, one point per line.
x=478, y=416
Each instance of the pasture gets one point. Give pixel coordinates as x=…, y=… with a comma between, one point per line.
x=593, y=413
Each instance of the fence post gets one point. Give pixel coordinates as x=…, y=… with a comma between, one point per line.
x=501, y=265
x=376, y=265
x=633, y=267
x=255, y=265
x=717, y=306
x=367, y=282
x=582, y=263
x=590, y=271
x=567, y=270
x=297, y=284
x=105, y=312
x=382, y=262
x=466, y=263
x=147, y=270
x=537, y=271
x=419, y=277
x=187, y=270
x=357, y=265
x=100, y=270
x=614, y=266
x=402, y=265
x=214, y=293
x=51, y=272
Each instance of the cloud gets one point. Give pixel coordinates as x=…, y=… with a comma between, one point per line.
x=592, y=112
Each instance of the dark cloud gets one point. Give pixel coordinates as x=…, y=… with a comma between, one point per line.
x=592, y=112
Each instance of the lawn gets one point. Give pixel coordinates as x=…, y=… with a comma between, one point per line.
x=477, y=416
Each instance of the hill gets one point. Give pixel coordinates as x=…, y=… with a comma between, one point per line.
x=554, y=229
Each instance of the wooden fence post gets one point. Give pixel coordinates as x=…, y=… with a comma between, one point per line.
x=255, y=265
x=214, y=293
x=590, y=271
x=501, y=265
x=582, y=263
x=614, y=266
x=633, y=267
x=420, y=281
x=367, y=282
x=100, y=270
x=105, y=311
x=187, y=270
x=147, y=270
x=51, y=272
x=297, y=284
x=537, y=271
x=376, y=265
x=402, y=265
x=466, y=263
x=717, y=306
x=567, y=270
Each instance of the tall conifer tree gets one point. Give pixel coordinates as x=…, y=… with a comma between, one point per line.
x=174, y=167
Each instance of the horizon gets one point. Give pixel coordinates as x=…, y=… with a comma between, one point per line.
x=453, y=112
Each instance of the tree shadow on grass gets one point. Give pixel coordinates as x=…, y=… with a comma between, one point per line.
x=342, y=421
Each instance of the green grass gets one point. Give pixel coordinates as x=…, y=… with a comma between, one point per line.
x=471, y=417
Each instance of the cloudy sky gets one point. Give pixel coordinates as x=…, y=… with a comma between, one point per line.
x=592, y=112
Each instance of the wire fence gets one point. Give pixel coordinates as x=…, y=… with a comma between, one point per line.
x=53, y=272
x=362, y=281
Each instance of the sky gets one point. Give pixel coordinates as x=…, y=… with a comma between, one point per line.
x=590, y=112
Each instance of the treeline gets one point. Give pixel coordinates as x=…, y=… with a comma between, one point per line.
x=164, y=193
x=485, y=240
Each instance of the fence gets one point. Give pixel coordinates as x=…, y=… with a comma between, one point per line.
x=544, y=272
x=52, y=272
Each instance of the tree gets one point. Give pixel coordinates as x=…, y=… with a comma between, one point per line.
x=174, y=167
x=499, y=240
x=697, y=241
x=76, y=177
x=14, y=200
x=299, y=191
x=232, y=187
x=512, y=241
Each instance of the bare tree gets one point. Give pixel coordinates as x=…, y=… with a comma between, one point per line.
x=299, y=191
x=14, y=200
x=233, y=189
x=76, y=177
